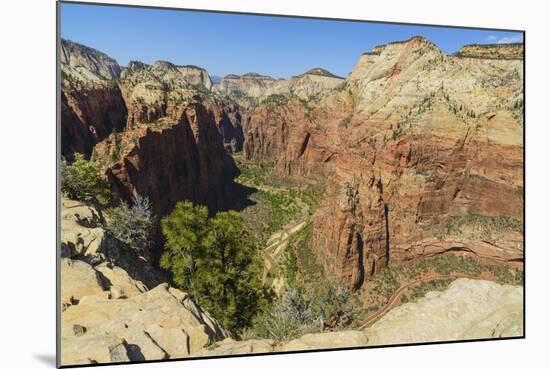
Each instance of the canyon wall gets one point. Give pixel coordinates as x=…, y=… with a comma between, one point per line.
x=169, y=162
x=157, y=130
x=412, y=141
x=252, y=88
x=91, y=102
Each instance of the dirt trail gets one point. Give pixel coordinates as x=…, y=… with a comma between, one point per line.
x=393, y=299
x=278, y=241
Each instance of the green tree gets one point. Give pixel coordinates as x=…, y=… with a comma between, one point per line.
x=81, y=181
x=216, y=261
x=185, y=230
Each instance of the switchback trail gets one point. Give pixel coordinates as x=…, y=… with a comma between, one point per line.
x=393, y=299
x=278, y=241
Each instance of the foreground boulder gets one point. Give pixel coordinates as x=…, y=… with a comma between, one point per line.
x=93, y=350
x=159, y=324
x=232, y=347
x=79, y=279
x=322, y=341
x=82, y=238
x=80, y=231
x=468, y=309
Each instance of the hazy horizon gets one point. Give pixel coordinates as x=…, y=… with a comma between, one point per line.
x=223, y=43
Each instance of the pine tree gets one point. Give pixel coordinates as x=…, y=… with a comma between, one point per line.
x=216, y=261
x=185, y=230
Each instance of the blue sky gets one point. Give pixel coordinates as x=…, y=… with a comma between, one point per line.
x=235, y=43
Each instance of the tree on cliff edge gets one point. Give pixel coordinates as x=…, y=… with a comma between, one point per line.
x=81, y=181
x=216, y=261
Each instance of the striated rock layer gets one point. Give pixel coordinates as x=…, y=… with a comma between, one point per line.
x=91, y=102
x=492, y=51
x=253, y=88
x=413, y=140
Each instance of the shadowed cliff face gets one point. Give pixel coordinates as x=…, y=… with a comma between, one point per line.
x=414, y=140
x=169, y=162
x=157, y=92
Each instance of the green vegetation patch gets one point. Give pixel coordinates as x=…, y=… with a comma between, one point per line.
x=316, y=307
x=422, y=289
x=300, y=264
x=381, y=286
x=276, y=99
x=253, y=173
x=485, y=226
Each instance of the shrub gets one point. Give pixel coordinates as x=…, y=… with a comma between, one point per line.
x=132, y=225
x=315, y=307
x=287, y=319
x=333, y=304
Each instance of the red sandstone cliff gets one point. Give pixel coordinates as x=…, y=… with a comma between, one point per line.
x=414, y=140
x=169, y=162
x=91, y=102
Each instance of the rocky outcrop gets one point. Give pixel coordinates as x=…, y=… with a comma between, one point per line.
x=158, y=324
x=311, y=341
x=169, y=162
x=492, y=51
x=158, y=91
x=83, y=239
x=87, y=63
x=115, y=307
x=80, y=231
x=79, y=279
x=411, y=140
x=468, y=309
x=99, y=97
x=91, y=102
